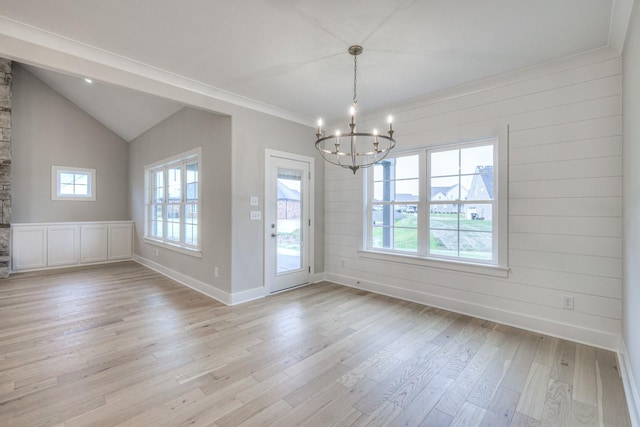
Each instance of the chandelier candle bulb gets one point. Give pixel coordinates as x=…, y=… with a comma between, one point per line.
x=375, y=140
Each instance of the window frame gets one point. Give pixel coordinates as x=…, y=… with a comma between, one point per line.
x=56, y=194
x=498, y=266
x=181, y=160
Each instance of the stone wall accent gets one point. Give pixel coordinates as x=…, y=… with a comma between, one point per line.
x=5, y=165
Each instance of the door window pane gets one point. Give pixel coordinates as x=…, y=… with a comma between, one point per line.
x=289, y=221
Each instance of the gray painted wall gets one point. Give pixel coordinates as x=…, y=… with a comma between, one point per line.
x=185, y=130
x=231, y=175
x=49, y=130
x=631, y=194
x=253, y=133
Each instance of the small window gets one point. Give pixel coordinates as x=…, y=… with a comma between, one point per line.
x=77, y=184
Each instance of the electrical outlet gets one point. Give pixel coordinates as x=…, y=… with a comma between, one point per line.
x=255, y=216
x=567, y=302
x=215, y=271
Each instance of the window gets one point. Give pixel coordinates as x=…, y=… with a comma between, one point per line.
x=461, y=223
x=69, y=183
x=437, y=203
x=394, y=206
x=173, y=198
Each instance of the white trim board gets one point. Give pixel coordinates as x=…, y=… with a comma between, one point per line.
x=619, y=26
x=534, y=324
x=183, y=279
x=68, y=266
x=317, y=278
x=628, y=380
x=202, y=287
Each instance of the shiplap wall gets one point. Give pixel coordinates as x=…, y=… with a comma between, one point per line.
x=565, y=204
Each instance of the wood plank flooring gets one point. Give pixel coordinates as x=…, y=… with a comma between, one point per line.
x=122, y=345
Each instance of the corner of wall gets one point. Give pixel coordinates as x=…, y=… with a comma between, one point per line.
x=183, y=279
x=202, y=287
x=628, y=380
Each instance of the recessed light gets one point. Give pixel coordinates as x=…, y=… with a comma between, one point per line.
x=88, y=80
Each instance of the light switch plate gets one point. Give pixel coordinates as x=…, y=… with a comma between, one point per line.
x=256, y=215
x=253, y=200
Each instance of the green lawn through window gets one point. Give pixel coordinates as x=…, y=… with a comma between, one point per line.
x=475, y=235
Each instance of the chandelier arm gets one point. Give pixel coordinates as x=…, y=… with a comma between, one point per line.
x=390, y=144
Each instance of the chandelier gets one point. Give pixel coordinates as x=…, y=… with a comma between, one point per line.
x=354, y=150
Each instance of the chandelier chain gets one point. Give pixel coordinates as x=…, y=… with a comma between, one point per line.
x=355, y=79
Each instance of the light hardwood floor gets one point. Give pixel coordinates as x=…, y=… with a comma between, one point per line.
x=120, y=344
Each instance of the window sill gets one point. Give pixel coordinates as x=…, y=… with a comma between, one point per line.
x=187, y=251
x=462, y=267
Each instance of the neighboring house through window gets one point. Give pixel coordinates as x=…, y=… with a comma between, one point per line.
x=173, y=201
x=461, y=225
x=437, y=203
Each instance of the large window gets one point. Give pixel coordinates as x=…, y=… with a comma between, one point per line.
x=436, y=203
x=173, y=200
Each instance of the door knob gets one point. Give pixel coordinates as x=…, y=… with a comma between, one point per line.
x=274, y=234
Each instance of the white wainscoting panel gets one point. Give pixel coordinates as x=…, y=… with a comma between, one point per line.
x=63, y=242
x=120, y=241
x=29, y=248
x=94, y=246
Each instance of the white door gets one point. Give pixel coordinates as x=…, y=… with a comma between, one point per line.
x=287, y=225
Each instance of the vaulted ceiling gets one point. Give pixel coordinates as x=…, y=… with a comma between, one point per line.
x=292, y=54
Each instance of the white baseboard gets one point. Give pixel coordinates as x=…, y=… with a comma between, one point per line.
x=317, y=277
x=535, y=324
x=61, y=267
x=248, y=295
x=211, y=291
x=630, y=389
x=196, y=285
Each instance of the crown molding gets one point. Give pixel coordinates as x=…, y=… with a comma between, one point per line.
x=34, y=46
x=619, y=26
